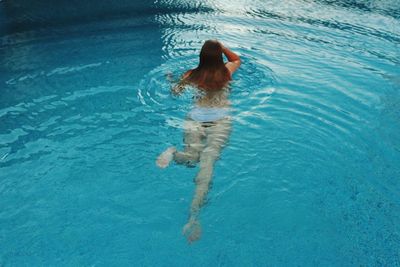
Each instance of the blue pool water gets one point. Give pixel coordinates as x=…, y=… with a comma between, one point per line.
x=310, y=176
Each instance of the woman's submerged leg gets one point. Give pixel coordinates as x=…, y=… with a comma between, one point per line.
x=193, y=139
x=217, y=137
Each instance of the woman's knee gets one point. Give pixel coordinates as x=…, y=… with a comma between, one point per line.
x=211, y=153
x=187, y=158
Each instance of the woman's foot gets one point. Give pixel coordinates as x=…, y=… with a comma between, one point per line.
x=165, y=158
x=192, y=230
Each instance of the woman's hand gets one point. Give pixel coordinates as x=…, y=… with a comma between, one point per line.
x=222, y=46
x=170, y=76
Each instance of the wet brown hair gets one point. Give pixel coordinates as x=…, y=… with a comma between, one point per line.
x=211, y=73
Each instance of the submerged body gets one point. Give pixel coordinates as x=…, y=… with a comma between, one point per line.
x=207, y=126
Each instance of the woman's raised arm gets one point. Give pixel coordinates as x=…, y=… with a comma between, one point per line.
x=233, y=59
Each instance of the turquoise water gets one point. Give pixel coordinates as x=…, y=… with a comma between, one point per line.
x=310, y=176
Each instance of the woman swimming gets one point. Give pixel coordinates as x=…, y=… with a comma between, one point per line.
x=208, y=124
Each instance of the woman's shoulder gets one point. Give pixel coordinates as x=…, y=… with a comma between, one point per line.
x=187, y=74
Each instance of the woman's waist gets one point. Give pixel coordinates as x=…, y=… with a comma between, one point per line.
x=208, y=114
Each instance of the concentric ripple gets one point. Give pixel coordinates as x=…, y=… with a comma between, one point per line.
x=309, y=176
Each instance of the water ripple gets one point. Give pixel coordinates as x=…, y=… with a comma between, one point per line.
x=314, y=151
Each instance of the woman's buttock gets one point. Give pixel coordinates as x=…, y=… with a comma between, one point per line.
x=209, y=114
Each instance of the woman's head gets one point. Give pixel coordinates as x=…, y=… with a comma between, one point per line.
x=211, y=73
x=211, y=54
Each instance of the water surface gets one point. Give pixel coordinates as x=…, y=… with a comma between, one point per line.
x=310, y=176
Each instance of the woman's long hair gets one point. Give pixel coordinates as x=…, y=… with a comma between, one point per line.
x=211, y=73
